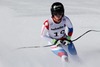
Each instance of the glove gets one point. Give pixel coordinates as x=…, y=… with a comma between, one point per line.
x=67, y=41
x=54, y=41
x=68, y=38
x=64, y=42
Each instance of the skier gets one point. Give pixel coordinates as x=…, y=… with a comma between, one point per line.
x=54, y=31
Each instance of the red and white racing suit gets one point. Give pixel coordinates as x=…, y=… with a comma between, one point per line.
x=51, y=30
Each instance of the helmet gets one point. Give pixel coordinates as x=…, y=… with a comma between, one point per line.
x=57, y=8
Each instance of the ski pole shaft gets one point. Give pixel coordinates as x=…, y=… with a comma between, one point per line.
x=84, y=34
x=67, y=40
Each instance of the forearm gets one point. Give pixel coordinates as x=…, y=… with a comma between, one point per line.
x=47, y=38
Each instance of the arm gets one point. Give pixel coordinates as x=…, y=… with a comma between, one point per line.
x=70, y=28
x=44, y=31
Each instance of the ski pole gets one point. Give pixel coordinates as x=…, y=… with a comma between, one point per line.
x=67, y=40
x=85, y=33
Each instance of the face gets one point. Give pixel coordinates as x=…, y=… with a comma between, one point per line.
x=57, y=18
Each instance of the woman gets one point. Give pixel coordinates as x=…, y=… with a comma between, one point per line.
x=54, y=31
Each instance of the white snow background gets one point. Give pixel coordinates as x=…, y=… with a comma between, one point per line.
x=20, y=26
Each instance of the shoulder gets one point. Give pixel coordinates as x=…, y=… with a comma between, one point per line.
x=48, y=21
x=68, y=22
x=65, y=18
x=46, y=24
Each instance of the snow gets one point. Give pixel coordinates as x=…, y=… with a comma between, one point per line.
x=20, y=26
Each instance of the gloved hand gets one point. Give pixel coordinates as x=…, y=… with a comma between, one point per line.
x=65, y=42
x=56, y=42
x=68, y=38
